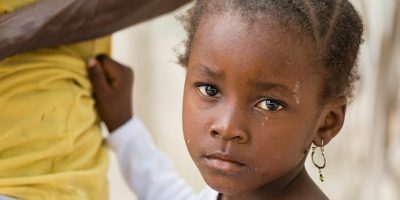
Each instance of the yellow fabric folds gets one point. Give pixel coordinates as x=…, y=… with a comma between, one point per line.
x=50, y=141
x=11, y=5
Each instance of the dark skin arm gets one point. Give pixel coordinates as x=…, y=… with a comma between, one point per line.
x=112, y=83
x=50, y=23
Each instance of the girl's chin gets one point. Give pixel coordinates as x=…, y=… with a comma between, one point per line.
x=226, y=186
x=229, y=191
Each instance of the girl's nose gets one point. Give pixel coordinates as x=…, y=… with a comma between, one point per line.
x=230, y=127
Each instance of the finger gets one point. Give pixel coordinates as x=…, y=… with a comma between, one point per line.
x=116, y=72
x=98, y=77
x=112, y=68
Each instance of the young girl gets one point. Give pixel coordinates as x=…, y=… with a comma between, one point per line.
x=265, y=80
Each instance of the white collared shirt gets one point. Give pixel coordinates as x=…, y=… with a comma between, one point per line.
x=140, y=161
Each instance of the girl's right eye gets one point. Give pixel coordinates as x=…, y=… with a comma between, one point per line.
x=209, y=90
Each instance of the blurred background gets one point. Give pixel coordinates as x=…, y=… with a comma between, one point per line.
x=363, y=160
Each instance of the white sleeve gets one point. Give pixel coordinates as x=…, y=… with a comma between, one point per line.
x=145, y=168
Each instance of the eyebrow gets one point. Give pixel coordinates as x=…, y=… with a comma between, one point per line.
x=263, y=85
x=207, y=71
x=270, y=86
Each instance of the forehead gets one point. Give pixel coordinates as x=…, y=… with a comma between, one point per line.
x=253, y=46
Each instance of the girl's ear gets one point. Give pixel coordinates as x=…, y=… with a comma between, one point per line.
x=331, y=121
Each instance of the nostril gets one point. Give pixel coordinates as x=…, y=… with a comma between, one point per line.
x=237, y=139
x=216, y=135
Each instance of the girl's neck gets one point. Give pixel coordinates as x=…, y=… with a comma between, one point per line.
x=296, y=186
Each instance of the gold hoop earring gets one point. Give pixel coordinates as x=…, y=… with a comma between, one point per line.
x=320, y=167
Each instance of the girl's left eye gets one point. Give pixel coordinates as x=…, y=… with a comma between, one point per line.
x=270, y=105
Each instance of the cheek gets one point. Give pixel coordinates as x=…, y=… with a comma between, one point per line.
x=194, y=123
x=281, y=142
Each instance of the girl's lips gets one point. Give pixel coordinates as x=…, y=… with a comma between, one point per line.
x=223, y=162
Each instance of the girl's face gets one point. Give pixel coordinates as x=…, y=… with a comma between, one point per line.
x=251, y=104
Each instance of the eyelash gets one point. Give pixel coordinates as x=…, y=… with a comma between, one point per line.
x=273, y=102
x=203, y=87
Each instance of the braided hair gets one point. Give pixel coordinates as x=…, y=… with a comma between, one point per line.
x=333, y=25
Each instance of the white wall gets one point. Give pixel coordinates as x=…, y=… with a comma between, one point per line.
x=149, y=49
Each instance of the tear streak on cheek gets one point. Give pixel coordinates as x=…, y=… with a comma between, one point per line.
x=296, y=93
x=266, y=118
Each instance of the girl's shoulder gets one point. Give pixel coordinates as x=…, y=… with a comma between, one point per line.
x=310, y=191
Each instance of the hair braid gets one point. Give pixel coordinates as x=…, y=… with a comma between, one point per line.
x=314, y=21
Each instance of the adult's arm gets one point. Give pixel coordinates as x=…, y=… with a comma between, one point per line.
x=50, y=23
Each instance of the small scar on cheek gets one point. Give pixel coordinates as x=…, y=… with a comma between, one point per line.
x=263, y=175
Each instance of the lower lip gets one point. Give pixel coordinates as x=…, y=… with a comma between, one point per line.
x=228, y=167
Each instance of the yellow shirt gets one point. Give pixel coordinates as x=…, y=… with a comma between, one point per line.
x=50, y=141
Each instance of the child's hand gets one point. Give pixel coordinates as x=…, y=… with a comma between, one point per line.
x=112, y=83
